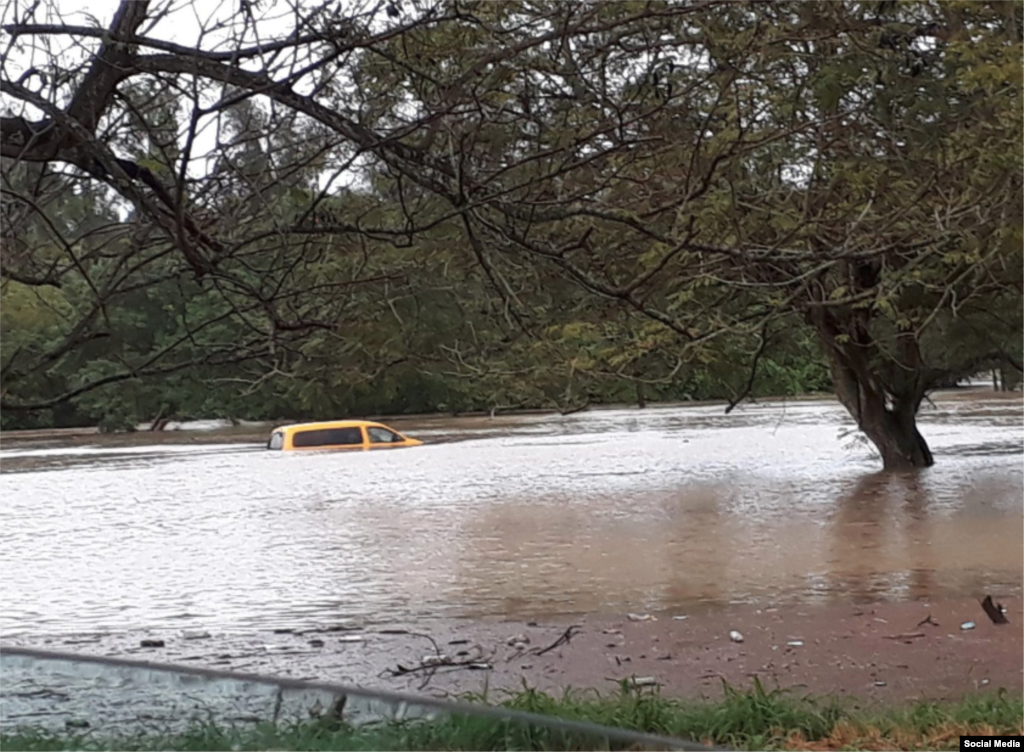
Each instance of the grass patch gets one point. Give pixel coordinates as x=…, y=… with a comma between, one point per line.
x=748, y=719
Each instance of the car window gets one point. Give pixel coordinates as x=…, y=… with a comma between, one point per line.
x=276, y=440
x=328, y=437
x=382, y=436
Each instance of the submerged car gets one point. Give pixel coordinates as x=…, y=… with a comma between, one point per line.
x=338, y=434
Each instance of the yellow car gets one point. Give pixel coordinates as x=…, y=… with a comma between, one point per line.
x=338, y=434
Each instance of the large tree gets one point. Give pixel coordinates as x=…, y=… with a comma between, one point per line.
x=718, y=167
x=856, y=164
x=715, y=168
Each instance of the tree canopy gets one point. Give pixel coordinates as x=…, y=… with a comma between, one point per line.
x=513, y=203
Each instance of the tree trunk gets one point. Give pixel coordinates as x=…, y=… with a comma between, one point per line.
x=894, y=432
x=892, y=428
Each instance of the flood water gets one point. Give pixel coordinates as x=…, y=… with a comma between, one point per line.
x=598, y=512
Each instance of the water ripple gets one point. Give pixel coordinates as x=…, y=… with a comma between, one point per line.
x=610, y=510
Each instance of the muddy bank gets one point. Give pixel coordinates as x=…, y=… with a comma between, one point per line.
x=881, y=653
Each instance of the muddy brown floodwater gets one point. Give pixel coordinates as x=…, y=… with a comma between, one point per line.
x=598, y=514
x=769, y=520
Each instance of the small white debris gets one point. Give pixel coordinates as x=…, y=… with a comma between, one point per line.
x=984, y=682
x=519, y=647
x=679, y=618
x=795, y=643
x=967, y=625
x=736, y=636
x=641, y=617
x=879, y=683
x=352, y=638
x=194, y=635
x=517, y=639
x=434, y=660
x=611, y=631
x=644, y=681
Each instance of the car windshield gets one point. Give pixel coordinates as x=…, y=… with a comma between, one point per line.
x=380, y=435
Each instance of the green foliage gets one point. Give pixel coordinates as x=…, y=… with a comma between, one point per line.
x=439, y=342
x=659, y=200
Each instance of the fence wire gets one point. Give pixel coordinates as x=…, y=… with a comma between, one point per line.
x=60, y=690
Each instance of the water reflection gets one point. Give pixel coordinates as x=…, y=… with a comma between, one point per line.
x=611, y=511
x=897, y=533
x=869, y=524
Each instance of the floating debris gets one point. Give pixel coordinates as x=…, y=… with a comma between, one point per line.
x=643, y=681
x=194, y=635
x=880, y=684
x=316, y=643
x=152, y=644
x=352, y=638
x=519, y=639
x=967, y=625
x=795, y=643
x=75, y=723
x=611, y=631
x=905, y=636
x=680, y=618
x=995, y=611
x=736, y=636
x=641, y=617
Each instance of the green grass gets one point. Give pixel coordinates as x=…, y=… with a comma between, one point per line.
x=751, y=719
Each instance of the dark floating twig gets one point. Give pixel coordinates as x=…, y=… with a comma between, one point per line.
x=905, y=636
x=401, y=670
x=927, y=620
x=565, y=639
x=430, y=665
x=995, y=611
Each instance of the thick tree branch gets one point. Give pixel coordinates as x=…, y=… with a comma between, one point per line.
x=110, y=66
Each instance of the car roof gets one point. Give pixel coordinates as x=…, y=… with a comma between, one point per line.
x=332, y=424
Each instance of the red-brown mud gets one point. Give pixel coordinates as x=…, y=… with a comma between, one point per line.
x=889, y=653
